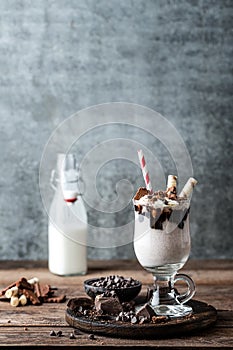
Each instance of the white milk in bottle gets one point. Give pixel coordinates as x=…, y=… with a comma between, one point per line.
x=67, y=229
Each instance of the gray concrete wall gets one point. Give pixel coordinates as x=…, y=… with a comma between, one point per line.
x=57, y=57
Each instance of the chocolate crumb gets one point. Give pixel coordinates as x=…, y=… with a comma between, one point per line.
x=158, y=319
x=91, y=336
x=56, y=299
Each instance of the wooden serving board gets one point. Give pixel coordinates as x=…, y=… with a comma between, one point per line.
x=203, y=316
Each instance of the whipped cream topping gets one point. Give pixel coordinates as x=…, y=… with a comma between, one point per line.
x=160, y=200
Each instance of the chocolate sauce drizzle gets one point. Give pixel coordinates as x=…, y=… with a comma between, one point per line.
x=158, y=217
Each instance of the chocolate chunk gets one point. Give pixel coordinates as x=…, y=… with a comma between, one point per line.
x=145, y=311
x=75, y=303
x=141, y=192
x=110, y=306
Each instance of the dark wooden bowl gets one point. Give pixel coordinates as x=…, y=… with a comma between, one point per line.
x=124, y=294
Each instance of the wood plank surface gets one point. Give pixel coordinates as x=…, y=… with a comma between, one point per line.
x=30, y=326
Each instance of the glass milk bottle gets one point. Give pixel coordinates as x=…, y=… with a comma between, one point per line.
x=67, y=229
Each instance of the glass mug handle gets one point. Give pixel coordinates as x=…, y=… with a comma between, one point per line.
x=183, y=298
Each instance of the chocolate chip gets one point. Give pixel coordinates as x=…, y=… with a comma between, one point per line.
x=72, y=336
x=91, y=336
x=115, y=281
x=59, y=333
x=52, y=334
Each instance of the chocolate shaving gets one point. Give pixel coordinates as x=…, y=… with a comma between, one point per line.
x=35, y=293
x=31, y=296
x=46, y=290
x=57, y=299
x=37, y=290
x=22, y=283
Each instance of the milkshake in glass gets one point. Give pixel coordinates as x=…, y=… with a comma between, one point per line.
x=162, y=243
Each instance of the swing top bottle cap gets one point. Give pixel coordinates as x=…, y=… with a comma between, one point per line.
x=69, y=178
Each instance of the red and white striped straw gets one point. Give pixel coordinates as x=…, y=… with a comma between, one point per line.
x=144, y=170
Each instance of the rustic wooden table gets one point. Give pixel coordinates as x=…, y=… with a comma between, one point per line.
x=30, y=326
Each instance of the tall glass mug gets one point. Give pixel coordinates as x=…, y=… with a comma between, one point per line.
x=162, y=246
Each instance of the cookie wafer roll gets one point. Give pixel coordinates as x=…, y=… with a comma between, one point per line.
x=12, y=292
x=171, y=181
x=33, y=280
x=171, y=186
x=23, y=300
x=188, y=188
x=14, y=301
